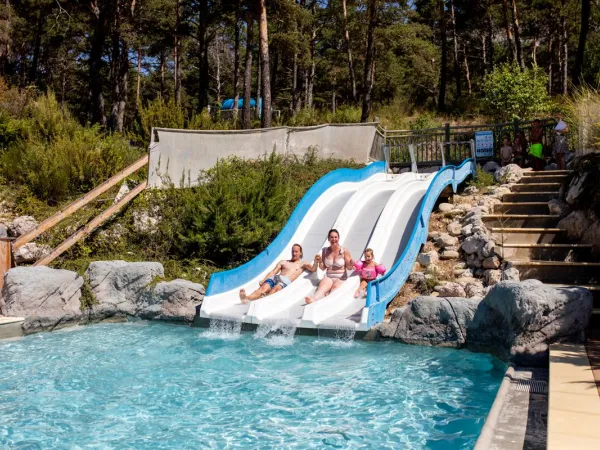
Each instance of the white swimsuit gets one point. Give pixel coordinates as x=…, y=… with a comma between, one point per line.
x=334, y=265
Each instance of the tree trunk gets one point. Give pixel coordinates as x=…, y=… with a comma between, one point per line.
x=296, y=87
x=274, y=69
x=258, y=87
x=467, y=72
x=585, y=26
x=264, y=59
x=536, y=44
x=246, y=112
x=442, y=90
x=349, y=51
x=456, y=58
x=139, y=75
x=218, y=77
x=509, y=38
x=310, y=78
x=565, y=49
x=236, y=63
x=177, y=72
x=203, y=67
x=333, y=92
x=517, y=29
x=119, y=69
x=162, y=75
x=550, y=61
x=367, y=103
x=484, y=54
x=98, y=37
x=491, y=40
x=37, y=47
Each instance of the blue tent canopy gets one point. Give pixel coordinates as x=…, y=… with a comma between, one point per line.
x=228, y=104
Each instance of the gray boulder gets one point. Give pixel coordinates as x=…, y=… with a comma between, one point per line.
x=473, y=244
x=450, y=289
x=491, y=166
x=47, y=298
x=3, y=231
x=428, y=258
x=173, y=301
x=31, y=252
x=592, y=235
x=22, y=225
x=518, y=321
x=474, y=289
x=434, y=321
x=120, y=287
x=492, y=277
x=558, y=207
x=576, y=224
x=471, y=190
x=445, y=207
x=511, y=173
x=575, y=189
x=444, y=240
x=454, y=228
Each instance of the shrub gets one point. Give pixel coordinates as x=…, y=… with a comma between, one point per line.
x=511, y=93
x=482, y=179
x=582, y=113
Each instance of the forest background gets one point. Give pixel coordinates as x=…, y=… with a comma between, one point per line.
x=83, y=82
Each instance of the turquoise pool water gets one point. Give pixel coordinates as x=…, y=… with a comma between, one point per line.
x=159, y=386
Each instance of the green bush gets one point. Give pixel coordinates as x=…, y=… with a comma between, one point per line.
x=56, y=157
x=511, y=93
x=482, y=179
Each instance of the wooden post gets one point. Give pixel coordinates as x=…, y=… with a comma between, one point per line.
x=80, y=202
x=5, y=258
x=92, y=225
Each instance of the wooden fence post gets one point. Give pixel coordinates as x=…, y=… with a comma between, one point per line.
x=5, y=258
x=447, y=136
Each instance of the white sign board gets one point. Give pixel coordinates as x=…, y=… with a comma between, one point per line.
x=484, y=144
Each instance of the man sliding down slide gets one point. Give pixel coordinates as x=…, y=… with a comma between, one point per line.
x=282, y=275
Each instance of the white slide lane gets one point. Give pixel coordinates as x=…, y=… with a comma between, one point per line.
x=318, y=220
x=355, y=224
x=341, y=309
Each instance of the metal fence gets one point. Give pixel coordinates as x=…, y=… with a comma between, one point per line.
x=433, y=146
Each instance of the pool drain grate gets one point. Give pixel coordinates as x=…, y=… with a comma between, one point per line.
x=532, y=386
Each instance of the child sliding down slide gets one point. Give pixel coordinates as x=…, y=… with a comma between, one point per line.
x=367, y=270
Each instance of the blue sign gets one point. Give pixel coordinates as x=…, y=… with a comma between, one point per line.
x=484, y=144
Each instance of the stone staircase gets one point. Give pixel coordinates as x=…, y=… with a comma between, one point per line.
x=528, y=237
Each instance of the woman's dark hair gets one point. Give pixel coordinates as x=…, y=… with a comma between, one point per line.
x=300, y=247
x=333, y=230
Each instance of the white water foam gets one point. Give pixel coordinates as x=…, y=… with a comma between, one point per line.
x=227, y=328
x=343, y=336
x=277, y=333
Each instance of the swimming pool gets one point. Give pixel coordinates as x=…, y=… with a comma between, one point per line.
x=150, y=385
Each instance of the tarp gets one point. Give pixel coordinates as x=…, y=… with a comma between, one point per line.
x=228, y=104
x=179, y=156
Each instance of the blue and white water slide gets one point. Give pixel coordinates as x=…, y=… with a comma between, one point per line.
x=388, y=213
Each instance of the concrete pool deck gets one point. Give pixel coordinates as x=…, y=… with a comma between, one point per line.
x=10, y=327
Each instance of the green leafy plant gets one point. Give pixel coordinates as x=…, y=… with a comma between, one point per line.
x=482, y=179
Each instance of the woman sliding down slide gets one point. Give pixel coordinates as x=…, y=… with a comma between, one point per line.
x=335, y=261
x=281, y=276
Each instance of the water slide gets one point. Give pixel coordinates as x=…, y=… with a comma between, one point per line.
x=370, y=209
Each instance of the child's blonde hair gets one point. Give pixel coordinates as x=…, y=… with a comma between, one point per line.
x=370, y=250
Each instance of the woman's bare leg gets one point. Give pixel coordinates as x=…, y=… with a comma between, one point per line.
x=336, y=285
x=324, y=288
x=260, y=292
x=361, y=287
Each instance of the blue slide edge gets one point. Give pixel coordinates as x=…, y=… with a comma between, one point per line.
x=223, y=281
x=383, y=290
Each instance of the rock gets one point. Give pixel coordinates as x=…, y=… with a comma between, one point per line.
x=445, y=207
x=467, y=230
x=445, y=240
x=432, y=321
x=22, y=225
x=511, y=274
x=474, y=289
x=476, y=211
x=47, y=298
x=173, y=301
x=120, y=287
x=551, y=166
x=491, y=262
x=123, y=191
x=425, y=259
x=479, y=272
x=433, y=235
x=471, y=190
x=499, y=192
x=488, y=249
x=518, y=321
x=558, y=207
x=473, y=244
x=454, y=228
x=576, y=224
x=432, y=269
x=467, y=273
x=449, y=254
x=592, y=235
x=416, y=277
x=450, y=289
x=474, y=261
x=460, y=265
x=576, y=187
x=3, y=231
x=491, y=166
x=492, y=276
x=489, y=202
x=31, y=252
x=511, y=173
x=146, y=221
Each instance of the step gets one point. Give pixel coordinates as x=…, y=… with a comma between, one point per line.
x=543, y=179
x=521, y=208
x=546, y=252
x=10, y=327
x=532, y=173
x=536, y=187
x=518, y=197
x=559, y=272
x=504, y=236
x=521, y=220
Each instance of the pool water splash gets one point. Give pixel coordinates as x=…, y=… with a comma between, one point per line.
x=224, y=327
x=278, y=333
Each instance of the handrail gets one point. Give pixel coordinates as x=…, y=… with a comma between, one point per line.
x=223, y=281
x=381, y=291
